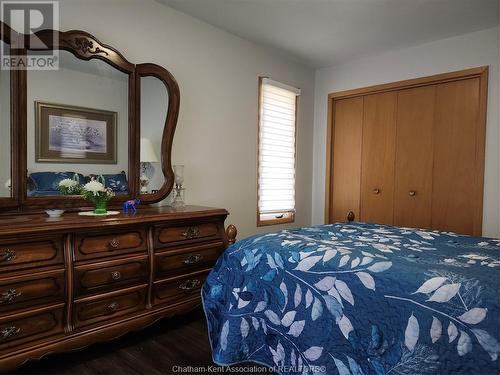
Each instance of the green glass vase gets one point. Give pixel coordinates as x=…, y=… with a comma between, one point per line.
x=100, y=207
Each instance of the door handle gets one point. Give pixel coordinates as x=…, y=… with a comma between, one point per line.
x=7, y=255
x=193, y=259
x=114, y=243
x=112, y=307
x=8, y=332
x=9, y=296
x=190, y=284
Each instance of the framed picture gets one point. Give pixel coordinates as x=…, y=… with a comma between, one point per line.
x=71, y=134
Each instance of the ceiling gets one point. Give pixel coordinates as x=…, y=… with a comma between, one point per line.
x=322, y=33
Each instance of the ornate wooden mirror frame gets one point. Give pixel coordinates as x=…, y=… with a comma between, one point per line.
x=85, y=46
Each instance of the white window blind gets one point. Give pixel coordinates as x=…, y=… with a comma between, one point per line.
x=276, y=183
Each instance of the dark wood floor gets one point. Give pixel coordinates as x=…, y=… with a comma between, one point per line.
x=180, y=341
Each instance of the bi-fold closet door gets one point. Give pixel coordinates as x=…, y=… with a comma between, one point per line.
x=411, y=156
x=377, y=158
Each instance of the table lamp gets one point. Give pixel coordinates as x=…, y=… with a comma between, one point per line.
x=148, y=156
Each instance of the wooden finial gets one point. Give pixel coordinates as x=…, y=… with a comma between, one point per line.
x=350, y=216
x=231, y=233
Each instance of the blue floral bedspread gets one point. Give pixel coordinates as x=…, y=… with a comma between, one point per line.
x=357, y=299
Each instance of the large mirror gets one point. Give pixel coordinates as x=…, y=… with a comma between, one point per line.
x=154, y=107
x=82, y=120
x=5, y=131
x=77, y=125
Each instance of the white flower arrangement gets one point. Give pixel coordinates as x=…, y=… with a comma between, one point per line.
x=94, y=187
x=95, y=192
x=68, y=182
x=69, y=186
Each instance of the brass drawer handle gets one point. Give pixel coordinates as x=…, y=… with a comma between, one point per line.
x=376, y=191
x=116, y=275
x=114, y=243
x=7, y=255
x=193, y=259
x=412, y=193
x=190, y=284
x=9, y=296
x=113, y=306
x=8, y=332
x=191, y=232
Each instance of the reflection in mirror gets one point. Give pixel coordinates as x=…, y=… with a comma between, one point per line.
x=154, y=106
x=77, y=125
x=5, y=136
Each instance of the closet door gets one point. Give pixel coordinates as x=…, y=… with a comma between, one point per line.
x=348, y=122
x=457, y=178
x=414, y=157
x=378, y=153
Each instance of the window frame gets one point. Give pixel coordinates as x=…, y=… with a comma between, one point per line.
x=290, y=216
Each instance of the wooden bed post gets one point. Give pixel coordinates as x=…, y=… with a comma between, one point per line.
x=231, y=233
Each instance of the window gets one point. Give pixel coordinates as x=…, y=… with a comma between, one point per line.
x=276, y=156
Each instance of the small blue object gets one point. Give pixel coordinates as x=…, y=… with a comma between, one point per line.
x=131, y=205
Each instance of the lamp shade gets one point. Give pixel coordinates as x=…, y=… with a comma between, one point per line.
x=148, y=153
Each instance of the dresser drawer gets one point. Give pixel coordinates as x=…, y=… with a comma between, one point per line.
x=107, y=276
x=175, y=235
x=94, y=245
x=180, y=261
x=112, y=305
x=22, y=328
x=32, y=290
x=18, y=255
x=178, y=289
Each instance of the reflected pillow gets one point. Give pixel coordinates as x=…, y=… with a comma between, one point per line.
x=116, y=182
x=49, y=181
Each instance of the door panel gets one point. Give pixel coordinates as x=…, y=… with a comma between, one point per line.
x=347, y=157
x=414, y=157
x=378, y=153
x=455, y=175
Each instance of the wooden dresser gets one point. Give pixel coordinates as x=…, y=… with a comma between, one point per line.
x=66, y=283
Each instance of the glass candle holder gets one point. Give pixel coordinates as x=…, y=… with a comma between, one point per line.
x=178, y=198
x=179, y=174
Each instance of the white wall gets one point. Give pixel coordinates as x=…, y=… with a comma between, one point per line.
x=465, y=51
x=216, y=136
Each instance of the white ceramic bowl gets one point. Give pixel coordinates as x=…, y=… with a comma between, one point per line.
x=54, y=213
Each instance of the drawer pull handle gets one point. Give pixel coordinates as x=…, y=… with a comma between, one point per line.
x=191, y=232
x=113, y=306
x=9, y=296
x=412, y=193
x=193, y=259
x=190, y=284
x=114, y=243
x=7, y=255
x=376, y=191
x=116, y=275
x=8, y=332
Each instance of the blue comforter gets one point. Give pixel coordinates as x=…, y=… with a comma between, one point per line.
x=357, y=299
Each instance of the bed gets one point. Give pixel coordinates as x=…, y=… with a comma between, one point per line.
x=357, y=299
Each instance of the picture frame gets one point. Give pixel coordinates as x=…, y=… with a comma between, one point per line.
x=73, y=134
